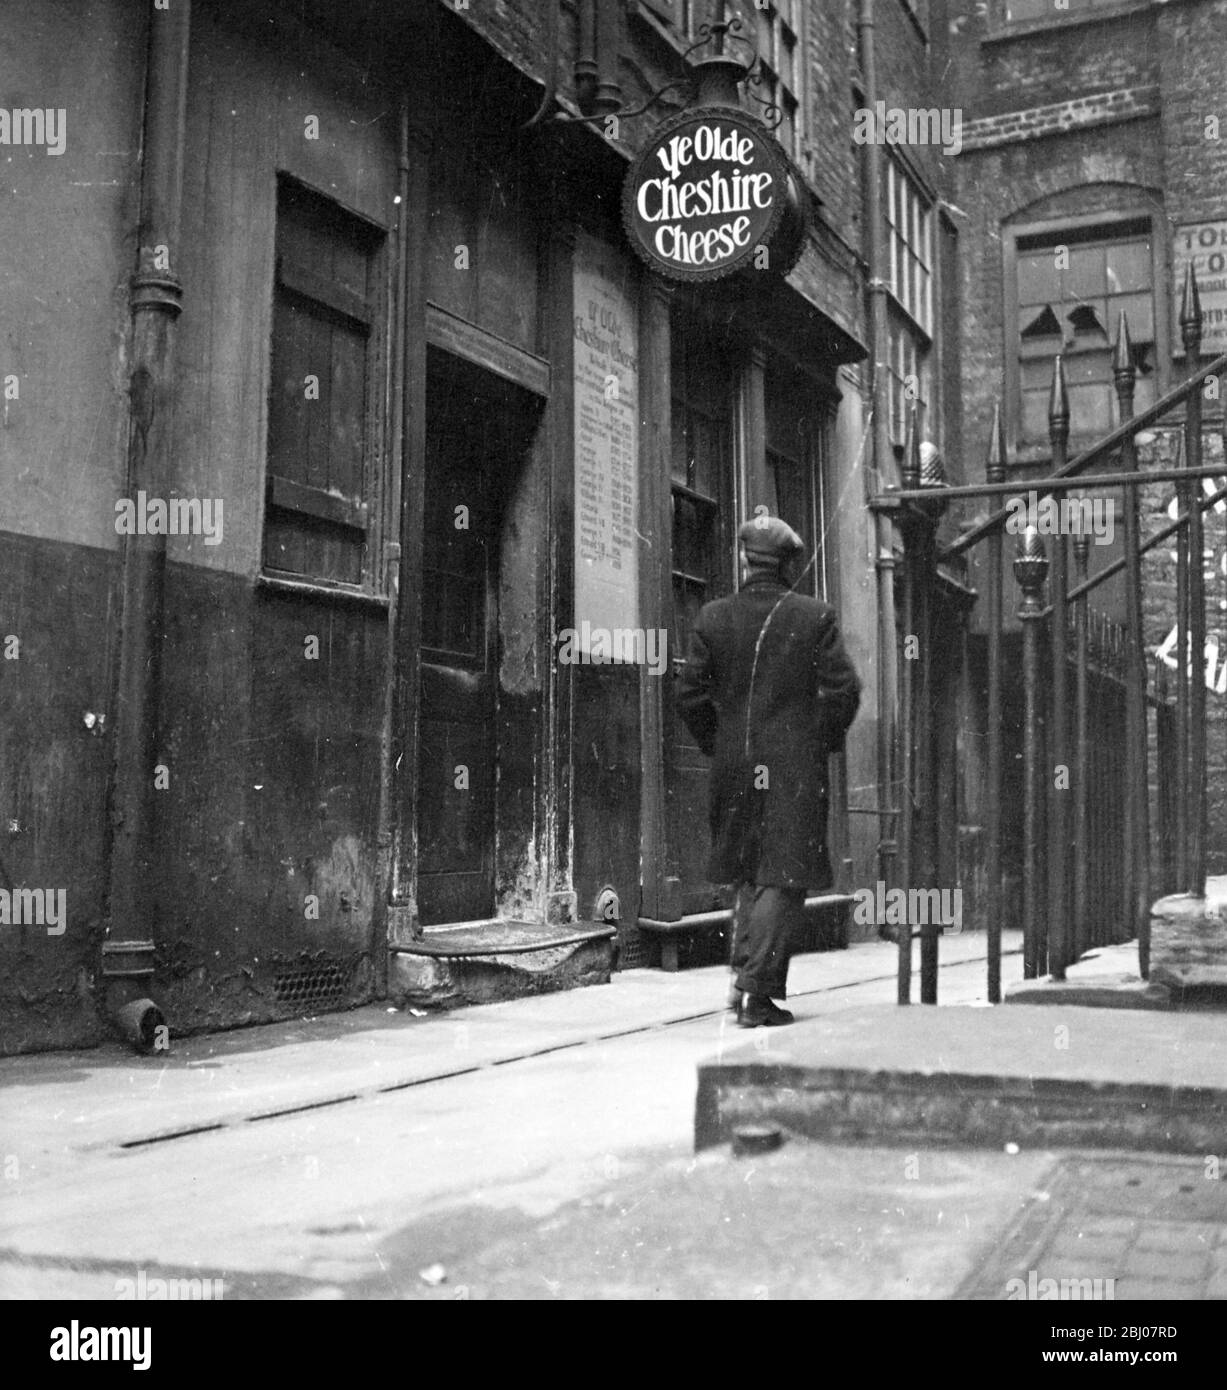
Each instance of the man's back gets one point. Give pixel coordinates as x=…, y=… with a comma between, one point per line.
x=768, y=693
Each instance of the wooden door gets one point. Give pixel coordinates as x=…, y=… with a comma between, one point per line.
x=457, y=752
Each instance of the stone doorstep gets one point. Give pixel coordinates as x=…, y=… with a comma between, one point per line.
x=449, y=981
x=904, y=1078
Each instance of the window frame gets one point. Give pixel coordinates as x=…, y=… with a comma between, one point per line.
x=810, y=458
x=751, y=15
x=920, y=209
x=1117, y=220
x=374, y=313
x=687, y=336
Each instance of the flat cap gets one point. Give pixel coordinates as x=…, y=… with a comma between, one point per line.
x=770, y=537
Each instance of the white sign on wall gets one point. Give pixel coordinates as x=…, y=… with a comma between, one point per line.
x=606, y=333
x=1205, y=245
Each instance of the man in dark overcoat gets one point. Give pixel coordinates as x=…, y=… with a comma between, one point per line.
x=768, y=693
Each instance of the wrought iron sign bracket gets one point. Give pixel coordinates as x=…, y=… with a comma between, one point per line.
x=715, y=35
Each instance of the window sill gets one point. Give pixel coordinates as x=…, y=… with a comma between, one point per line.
x=318, y=588
x=1030, y=28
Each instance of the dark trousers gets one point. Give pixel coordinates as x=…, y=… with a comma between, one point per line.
x=767, y=926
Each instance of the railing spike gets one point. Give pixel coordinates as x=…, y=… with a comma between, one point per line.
x=994, y=466
x=1058, y=401
x=1190, y=300
x=1124, y=372
x=1122, y=355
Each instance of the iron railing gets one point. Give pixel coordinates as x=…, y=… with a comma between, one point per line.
x=1090, y=867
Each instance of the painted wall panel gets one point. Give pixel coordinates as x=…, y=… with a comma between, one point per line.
x=67, y=233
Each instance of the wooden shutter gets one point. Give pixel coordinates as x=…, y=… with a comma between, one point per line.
x=317, y=515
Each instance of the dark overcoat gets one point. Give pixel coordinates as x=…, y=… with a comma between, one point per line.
x=769, y=743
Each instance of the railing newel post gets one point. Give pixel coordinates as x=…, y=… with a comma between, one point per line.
x=910, y=477
x=994, y=471
x=1058, y=892
x=1190, y=332
x=1031, y=570
x=1137, y=780
x=1082, y=787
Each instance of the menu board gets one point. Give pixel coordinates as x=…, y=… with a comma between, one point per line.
x=1205, y=245
x=606, y=439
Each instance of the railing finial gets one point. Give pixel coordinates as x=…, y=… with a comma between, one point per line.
x=994, y=464
x=1122, y=353
x=1124, y=370
x=1058, y=402
x=1190, y=311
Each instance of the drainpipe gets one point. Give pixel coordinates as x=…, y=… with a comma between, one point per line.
x=585, y=70
x=882, y=466
x=155, y=299
x=608, y=38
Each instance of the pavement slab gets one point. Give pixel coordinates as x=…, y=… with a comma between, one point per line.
x=525, y=1109
x=108, y=1096
x=1144, y=1227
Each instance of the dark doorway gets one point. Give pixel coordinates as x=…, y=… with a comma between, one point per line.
x=476, y=430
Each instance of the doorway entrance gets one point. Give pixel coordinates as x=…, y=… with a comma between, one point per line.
x=475, y=437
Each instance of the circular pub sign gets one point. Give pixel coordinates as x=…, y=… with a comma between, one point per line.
x=704, y=195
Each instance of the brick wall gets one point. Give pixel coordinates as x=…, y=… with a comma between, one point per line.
x=1079, y=119
x=1163, y=449
x=1105, y=169
x=1060, y=117
x=995, y=70
x=1191, y=41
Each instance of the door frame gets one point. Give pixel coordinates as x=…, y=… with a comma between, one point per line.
x=440, y=330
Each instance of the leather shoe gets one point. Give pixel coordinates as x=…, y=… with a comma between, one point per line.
x=757, y=1011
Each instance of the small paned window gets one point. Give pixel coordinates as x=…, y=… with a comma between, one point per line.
x=777, y=28
x=699, y=477
x=909, y=240
x=1071, y=289
x=795, y=437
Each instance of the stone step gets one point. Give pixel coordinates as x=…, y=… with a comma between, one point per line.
x=1051, y=1075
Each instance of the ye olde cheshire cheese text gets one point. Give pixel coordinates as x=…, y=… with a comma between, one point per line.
x=670, y=200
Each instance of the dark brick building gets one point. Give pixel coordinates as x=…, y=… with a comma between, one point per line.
x=1094, y=167
x=326, y=268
